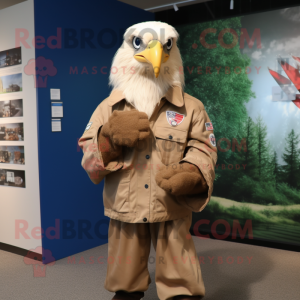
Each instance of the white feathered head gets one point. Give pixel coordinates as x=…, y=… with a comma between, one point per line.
x=147, y=64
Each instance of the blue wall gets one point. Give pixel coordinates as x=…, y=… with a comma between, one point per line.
x=66, y=192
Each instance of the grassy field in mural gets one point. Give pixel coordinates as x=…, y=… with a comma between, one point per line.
x=269, y=222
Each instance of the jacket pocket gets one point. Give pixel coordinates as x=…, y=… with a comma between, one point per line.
x=166, y=202
x=171, y=143
x=116, y=191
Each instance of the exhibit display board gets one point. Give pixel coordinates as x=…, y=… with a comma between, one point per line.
x=246, y=72
x=19, y=180
x=69, y=200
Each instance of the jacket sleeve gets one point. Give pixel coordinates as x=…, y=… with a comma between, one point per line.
x=201, y=151
x=92, y=159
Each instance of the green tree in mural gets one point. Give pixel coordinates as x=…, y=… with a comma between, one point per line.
x=276, y=169
x=291, y=157
x=263, y=168
x=248, y=158
x=216, y=75
x=245, y=157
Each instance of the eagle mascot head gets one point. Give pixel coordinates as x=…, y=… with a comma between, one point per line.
x=148, y=63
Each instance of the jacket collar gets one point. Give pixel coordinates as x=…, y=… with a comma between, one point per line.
x=174, y=95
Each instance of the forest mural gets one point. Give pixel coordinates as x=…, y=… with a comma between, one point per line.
x=237, y=67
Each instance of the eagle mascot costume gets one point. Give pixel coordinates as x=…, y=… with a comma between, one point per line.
x=155, y=148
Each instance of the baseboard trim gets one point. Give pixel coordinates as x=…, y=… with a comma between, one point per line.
x=17, y=250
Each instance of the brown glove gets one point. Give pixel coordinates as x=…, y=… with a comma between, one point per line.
x=124, y=128
x=181, y=179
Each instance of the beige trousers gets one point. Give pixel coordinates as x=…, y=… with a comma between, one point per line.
x=177, y=267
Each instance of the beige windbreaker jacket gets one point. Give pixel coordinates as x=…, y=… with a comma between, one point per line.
x=180, y=131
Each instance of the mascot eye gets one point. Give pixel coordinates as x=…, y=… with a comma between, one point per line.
x=136, y=42
x=169, y=44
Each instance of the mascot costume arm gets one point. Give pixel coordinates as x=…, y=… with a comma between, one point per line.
x=194, y=175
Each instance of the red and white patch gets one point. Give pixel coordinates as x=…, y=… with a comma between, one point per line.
x=212, y=139
x=174, y=118
x=209, y=126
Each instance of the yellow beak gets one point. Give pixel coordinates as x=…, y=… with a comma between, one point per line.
x=153, y=54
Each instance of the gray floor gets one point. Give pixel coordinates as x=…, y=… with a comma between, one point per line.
x=271, y=274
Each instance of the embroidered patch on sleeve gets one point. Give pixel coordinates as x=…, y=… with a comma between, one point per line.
x=209, y=126
x=88, y=126
x=212, y=139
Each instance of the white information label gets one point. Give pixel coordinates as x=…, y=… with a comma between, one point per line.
x=57, y=109
x=56, y=125
x=55, y=94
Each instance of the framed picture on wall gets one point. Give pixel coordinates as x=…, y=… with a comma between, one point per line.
x=13, y=178
x=11, y=108
x=11, y=83
x=10, y=57
x=12, y=132
x=12, y=155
